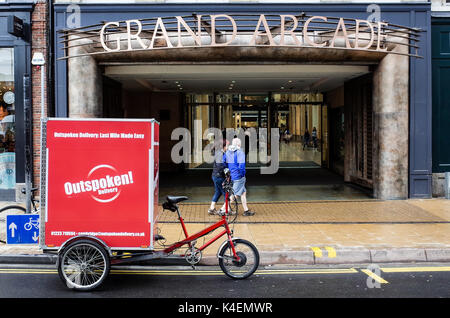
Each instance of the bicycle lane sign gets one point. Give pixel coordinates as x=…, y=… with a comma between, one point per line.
x=22, y=229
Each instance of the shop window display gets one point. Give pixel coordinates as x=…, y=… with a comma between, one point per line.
x=7, y=119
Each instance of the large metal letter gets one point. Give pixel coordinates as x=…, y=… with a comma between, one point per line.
x=160, y=24
x=262, y=19
x=305, y=32
x=102, y=37
x=340, y=25
x=197, y=38
x=213, y=29
x=136, y=36
x=381, y=36
x=291, y=31
x=357, y=34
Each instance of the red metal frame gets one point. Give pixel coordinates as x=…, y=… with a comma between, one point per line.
x=223, y=222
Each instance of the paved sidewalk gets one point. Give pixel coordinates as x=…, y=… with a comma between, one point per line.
x=314, y=232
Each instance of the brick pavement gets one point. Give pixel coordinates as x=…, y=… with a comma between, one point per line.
x=324, y=231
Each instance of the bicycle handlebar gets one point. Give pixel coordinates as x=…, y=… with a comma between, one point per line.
x=24, y=190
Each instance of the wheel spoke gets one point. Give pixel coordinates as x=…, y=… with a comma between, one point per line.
x=84, y=266
x=246, y=265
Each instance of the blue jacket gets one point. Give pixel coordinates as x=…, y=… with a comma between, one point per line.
x=235, y=161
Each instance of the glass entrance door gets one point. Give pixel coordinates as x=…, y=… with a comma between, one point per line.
x=302, y=121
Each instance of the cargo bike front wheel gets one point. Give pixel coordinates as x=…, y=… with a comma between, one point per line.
x=83, y=265
x=244, y=265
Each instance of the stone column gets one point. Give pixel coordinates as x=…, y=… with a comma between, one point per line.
x=391, y=133
x=84, y=82
x=301, y=119
x=349, y=151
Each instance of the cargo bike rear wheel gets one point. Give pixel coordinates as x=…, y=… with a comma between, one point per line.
x=83, y=265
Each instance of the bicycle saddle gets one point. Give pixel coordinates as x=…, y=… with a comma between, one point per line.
x=175, y=200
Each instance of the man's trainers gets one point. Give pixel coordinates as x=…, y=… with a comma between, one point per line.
x=222, y=212
x=212, y=211
x=249, y=213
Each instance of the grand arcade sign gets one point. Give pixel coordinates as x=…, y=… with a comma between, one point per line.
x=244, y=30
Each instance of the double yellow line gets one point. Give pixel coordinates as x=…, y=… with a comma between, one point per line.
x=219, y=272
x=191, y=272
x=28, y=271
x=302, y=271
x=410, y=269
x=415, y=269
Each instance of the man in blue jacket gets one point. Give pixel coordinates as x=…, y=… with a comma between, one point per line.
x=234, y=160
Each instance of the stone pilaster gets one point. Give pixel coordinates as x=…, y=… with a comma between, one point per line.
x=391, y=132
x=85, y=84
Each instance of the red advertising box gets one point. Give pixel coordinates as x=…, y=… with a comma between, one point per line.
x=99, y=178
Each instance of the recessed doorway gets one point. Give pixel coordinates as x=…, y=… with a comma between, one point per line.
x=302, y=102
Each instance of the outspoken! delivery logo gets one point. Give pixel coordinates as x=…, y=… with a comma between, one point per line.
x=103, y=182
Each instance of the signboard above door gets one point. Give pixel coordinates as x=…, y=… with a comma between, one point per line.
x=299, y=31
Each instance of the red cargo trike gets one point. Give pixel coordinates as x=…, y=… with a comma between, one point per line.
x=99, y=196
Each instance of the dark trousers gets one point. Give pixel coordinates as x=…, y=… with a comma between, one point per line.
x=217, y=188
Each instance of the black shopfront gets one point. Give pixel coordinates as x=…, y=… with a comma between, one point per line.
x=15, y=92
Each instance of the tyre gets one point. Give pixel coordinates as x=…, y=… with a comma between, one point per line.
x=10, y=209
x=233, y=212
x=248, y=259
x=83, y=265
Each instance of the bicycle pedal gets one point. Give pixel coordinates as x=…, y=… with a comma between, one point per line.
x=193, y=267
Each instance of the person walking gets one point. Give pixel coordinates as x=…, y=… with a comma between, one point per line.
x=234, y=160
x=286, y=136
x=314, y=138
x=218, y=175
x=306, y=137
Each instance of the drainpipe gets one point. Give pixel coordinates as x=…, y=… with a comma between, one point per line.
x=50, y=64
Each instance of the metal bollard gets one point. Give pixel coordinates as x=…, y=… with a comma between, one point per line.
x=447, y=185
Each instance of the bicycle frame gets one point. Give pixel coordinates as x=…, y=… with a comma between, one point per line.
x=223, y=222
x=188, y=240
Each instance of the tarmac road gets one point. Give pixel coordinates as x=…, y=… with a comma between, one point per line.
x=383, y=281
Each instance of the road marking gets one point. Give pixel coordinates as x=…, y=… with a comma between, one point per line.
x=317, y=251
x=318, y=271
x=260, y=272
x=374, y=276
x=27, y=271
x=415, y=269
x=331, y=251
x=192, y=273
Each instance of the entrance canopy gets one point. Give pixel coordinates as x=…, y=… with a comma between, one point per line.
x=233, y=78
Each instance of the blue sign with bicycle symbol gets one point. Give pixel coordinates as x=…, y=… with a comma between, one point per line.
x=22, y=229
